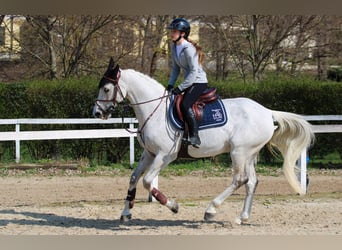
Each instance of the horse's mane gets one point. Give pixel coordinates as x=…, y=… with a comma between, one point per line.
x=146, y=77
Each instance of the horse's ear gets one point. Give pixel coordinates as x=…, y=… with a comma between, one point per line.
x=117, y=68
x=111, y=63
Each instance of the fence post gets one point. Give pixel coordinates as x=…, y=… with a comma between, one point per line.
x=17, y=144
x=302, y=163
x=131, y=146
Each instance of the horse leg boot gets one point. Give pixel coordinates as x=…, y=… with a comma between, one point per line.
x=193, y=127
x=159, y=196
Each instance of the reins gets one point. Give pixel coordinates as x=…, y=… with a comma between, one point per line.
x=152, y=113
x=152, y=100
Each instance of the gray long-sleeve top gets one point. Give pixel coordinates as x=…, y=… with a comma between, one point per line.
x=187, y=61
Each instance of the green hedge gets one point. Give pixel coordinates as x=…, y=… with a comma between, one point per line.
x=335, y=74
x=301, y=96
x=74, y=98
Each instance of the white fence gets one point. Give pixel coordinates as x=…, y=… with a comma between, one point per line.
x=326, y=128
x=19, y=135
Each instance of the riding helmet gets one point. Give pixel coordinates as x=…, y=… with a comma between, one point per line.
x=180, y=24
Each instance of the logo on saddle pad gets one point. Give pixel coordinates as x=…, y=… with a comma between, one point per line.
x=210, y=113
x=217, y=115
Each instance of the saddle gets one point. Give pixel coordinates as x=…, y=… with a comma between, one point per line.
x=209, y=95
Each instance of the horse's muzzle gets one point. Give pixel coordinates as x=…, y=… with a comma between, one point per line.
x=99, y=112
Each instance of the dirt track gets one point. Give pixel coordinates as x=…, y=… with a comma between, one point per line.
x=73, y=205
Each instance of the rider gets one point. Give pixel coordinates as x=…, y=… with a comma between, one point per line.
x=187, y=56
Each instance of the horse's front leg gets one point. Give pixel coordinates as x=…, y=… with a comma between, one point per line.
x=158, y=164
x=145, y=160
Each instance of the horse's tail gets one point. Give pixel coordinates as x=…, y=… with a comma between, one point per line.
x=291, y=137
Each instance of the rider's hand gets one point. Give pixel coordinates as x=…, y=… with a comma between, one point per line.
x=169, y=87
x=176, y=91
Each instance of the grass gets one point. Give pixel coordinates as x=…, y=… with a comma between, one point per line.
x=217, y=166
x=331, y=161
x=204, y=167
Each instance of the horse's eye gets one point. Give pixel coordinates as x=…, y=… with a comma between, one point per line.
x=106, y=90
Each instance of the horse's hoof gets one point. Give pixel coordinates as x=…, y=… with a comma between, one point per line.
x=209, y=216
x=125, y=218
x=238, y=221
x=241, y=221
x=175, y=208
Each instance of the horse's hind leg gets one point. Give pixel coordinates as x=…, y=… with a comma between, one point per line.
x=145, y=161
x=250, y=190
x=239, y=179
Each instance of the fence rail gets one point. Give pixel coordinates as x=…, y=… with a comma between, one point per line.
x=19, y=135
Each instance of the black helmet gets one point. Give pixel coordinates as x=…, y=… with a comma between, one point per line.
x=180, y=24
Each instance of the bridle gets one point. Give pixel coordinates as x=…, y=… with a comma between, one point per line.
x=114, y=102
x=117, y=90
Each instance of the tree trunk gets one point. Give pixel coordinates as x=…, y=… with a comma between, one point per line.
x=52, y=52
x=321, y=56
x=146, y=48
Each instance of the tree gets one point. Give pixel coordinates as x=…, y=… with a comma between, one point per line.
x=152, y=30
x=44, y=26
x=252, y=42
x=327, y=35
x=214, y=34
x=74, y=45
x=263, y=35
x=2, y=17
x=303, y=41
x=66, y=39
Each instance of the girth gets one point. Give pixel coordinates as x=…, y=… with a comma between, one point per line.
x=208, y=95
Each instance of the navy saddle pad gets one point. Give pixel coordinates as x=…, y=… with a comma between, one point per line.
x=214, y=115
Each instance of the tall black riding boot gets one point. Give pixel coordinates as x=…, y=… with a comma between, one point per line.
x=193, y=128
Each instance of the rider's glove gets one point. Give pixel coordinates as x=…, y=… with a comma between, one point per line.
x=176, y=91
x=169, y=87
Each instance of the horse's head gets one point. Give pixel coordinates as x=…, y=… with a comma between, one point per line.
x=110, y=92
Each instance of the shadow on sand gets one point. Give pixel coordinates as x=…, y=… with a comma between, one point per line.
x=53, y=220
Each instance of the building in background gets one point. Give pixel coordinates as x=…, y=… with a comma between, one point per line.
x=10, y=28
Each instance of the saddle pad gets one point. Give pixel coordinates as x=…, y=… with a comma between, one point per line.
x=214, y=115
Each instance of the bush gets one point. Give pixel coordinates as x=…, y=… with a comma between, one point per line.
x=335, y=74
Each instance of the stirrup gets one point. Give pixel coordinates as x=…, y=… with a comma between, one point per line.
x=196, y=142
x=186, y=141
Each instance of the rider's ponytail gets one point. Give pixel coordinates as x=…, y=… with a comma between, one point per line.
x=199, y=51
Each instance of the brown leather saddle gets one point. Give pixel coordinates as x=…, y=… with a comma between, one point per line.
x=208, y=95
